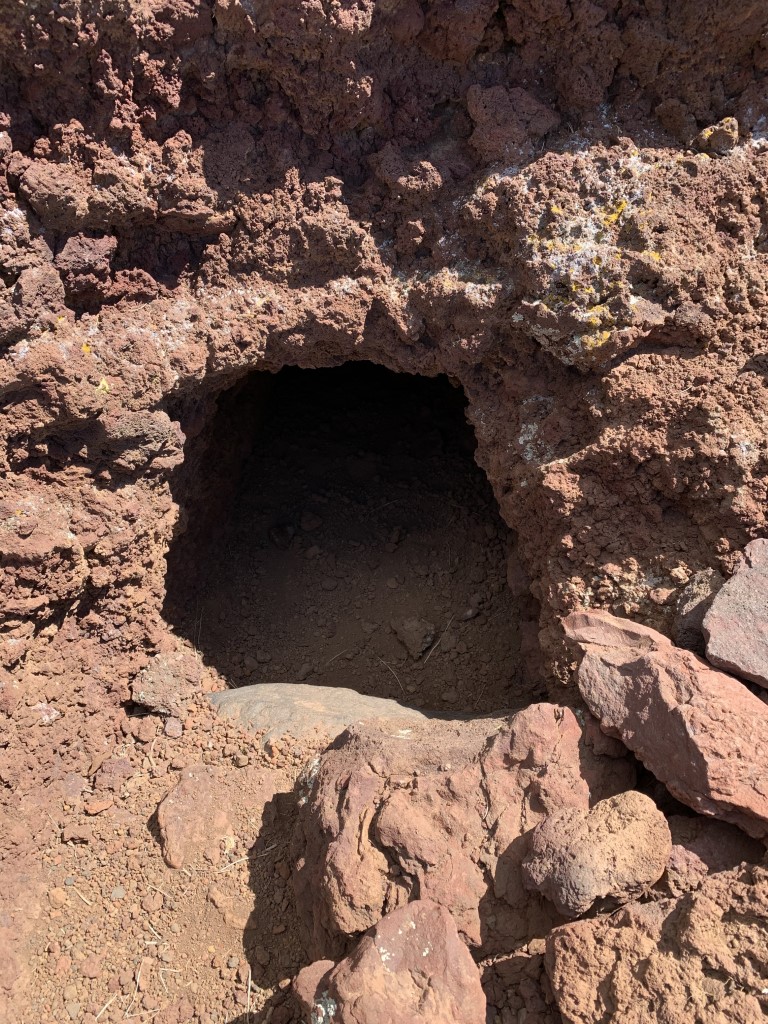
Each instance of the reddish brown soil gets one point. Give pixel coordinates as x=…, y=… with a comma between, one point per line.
x=522, y=196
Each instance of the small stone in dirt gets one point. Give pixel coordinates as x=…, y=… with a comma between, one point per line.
x=90, y=967
x=152, y=902
x=329, y=583
x=241, y=760
x=118, y=893
x=304, y=672
x=76, y=834
x=414, y=634
x=309, y=521
x=173, y=728
x=450, y=696
x=73, y=1009
x=96, y=805
x=278, y=929
x=57, y=898
x=261, y=956
x=392, y=583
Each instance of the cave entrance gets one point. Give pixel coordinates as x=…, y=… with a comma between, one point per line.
x=339, y=532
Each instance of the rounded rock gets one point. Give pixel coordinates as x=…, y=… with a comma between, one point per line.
x=616, y=850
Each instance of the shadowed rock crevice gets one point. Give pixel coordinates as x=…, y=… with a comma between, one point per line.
x=351, y=541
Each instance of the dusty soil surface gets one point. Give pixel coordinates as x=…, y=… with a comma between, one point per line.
x=559, y=205
x=362, y=548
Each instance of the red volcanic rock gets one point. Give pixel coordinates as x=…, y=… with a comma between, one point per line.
x=736, y=625
x=507, y=122
x=697, y=958
x=618, y=849
x=699, y=731
x=411, y=966
x=702, y=847
x=440, y=811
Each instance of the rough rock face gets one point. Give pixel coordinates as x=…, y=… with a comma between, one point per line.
x=440, y=812
x=198, y=190
x=411, y=966
x=617, y=849
x=736, y=624
x=701, y=732
x=698, y=958
x=701, y=847
x=562, y=205
x=305, y=712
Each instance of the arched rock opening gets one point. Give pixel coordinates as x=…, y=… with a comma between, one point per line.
x=336, y=530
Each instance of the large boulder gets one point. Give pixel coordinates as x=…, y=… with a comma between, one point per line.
x=700, y=958
x=411, y=966
x=614, y=851
x=736, y=625
x=441, y=811
x=701, y=732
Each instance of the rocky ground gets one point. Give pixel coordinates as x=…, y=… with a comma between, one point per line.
x=212, y=214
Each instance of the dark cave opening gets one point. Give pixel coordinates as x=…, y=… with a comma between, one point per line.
x=336, y=530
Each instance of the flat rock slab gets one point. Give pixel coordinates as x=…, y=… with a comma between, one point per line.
x=306, y=713
x=736, y=625
x=701, y=732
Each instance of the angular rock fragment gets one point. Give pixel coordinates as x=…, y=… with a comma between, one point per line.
x=699, y=731
x=306, y=713
x=702, y=847
x=697, y=958
x=692, y=605
x=202, y=809
x=736, y=625
x=415, y=634
x=191, y=817
x=618, y=849
x=411, y=966
x=169, y=682
x=440, y=811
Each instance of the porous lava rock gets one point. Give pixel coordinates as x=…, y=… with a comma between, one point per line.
x=410, y=966
x=440, y=812
x=617, y=849
x=700, y=957
x=701, y=732
x=192, y=191
x=736, y=624
x=702, y=847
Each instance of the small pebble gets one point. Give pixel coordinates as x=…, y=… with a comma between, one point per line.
x=173, y=728
x=392, y=583
x=450, y=696
x=57, y=898
x=118, y=893
x=73, y=1009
